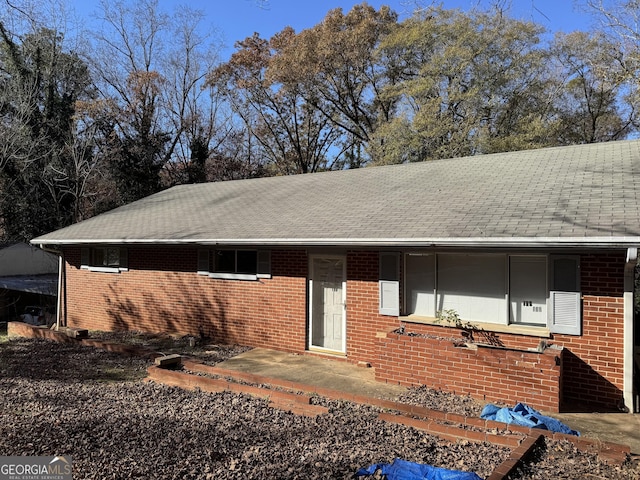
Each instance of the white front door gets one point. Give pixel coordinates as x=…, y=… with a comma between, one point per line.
x=327, y=304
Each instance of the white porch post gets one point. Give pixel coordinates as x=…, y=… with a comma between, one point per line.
x=61, y=289
x=629, y=277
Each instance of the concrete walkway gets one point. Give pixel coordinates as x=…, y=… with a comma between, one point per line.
x=623, y=428
x=316, y=370
x=313, y=370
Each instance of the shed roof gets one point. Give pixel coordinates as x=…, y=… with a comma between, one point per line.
x=575, y=195
x=46, y=284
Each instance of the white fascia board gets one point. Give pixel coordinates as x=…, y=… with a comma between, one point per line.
x=511, y=242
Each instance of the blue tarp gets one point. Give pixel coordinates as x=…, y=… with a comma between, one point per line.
x=404, y=470
x=526, y=416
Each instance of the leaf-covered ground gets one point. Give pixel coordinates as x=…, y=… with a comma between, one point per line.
x=94, y=406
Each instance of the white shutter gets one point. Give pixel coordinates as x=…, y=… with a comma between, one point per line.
x=389, y=285
x=565, y=313
x=203, y=262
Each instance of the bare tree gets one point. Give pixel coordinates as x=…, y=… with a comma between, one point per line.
x=151, y=66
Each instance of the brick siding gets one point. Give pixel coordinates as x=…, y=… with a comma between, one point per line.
x=364, y=323
x=595, y=361
x=162, y=292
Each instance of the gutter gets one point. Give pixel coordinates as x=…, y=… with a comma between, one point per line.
x=518, y=242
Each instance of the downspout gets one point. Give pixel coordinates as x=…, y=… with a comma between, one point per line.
x=629, y=280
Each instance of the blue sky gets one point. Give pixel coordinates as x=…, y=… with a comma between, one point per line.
x=238, y=19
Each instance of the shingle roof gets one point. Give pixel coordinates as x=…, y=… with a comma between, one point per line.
x=587, y=194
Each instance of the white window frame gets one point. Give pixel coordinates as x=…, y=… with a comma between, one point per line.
x=570, y=303
x=263, y=265
x=547, y=289
x=406, y=270
x=503, y=299
x=87, y=255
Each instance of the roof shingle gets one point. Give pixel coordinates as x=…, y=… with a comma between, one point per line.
x=587, y=194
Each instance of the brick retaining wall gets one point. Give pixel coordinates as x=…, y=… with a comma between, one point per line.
x=485, y=373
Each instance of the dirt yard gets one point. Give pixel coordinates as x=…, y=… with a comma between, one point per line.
x=94, y=406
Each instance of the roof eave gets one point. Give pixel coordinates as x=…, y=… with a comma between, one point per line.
x=484, y=242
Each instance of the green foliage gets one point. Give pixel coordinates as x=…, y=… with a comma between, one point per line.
x=38, y=175
x=135, y=166
x=450, y=317
x=465, y=83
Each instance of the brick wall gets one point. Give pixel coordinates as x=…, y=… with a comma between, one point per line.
x=487, y=374
x=364, y=322
x=162, y=292
x=594, y=363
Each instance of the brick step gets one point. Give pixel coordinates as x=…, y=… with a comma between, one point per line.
x=455, y=431
x=456, y=427
x=189, y=381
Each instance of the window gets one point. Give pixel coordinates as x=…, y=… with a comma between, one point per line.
x=110, y=259
x=421, y=284
x=235, y=264
x=522, y=289
x=528, y=290
x=473, y=285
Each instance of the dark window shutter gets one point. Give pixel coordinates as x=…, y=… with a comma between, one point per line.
x=264, y=262
x=203, y=262
x=124, y=258
x=85, y=256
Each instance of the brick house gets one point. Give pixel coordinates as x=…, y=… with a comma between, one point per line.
x=534, y=251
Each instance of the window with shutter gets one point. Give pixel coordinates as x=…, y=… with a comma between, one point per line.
x=231, y=264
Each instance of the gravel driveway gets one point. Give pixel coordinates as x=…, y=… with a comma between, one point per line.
x=93, y=405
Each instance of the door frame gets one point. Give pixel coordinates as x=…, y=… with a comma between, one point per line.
x=310, y=346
